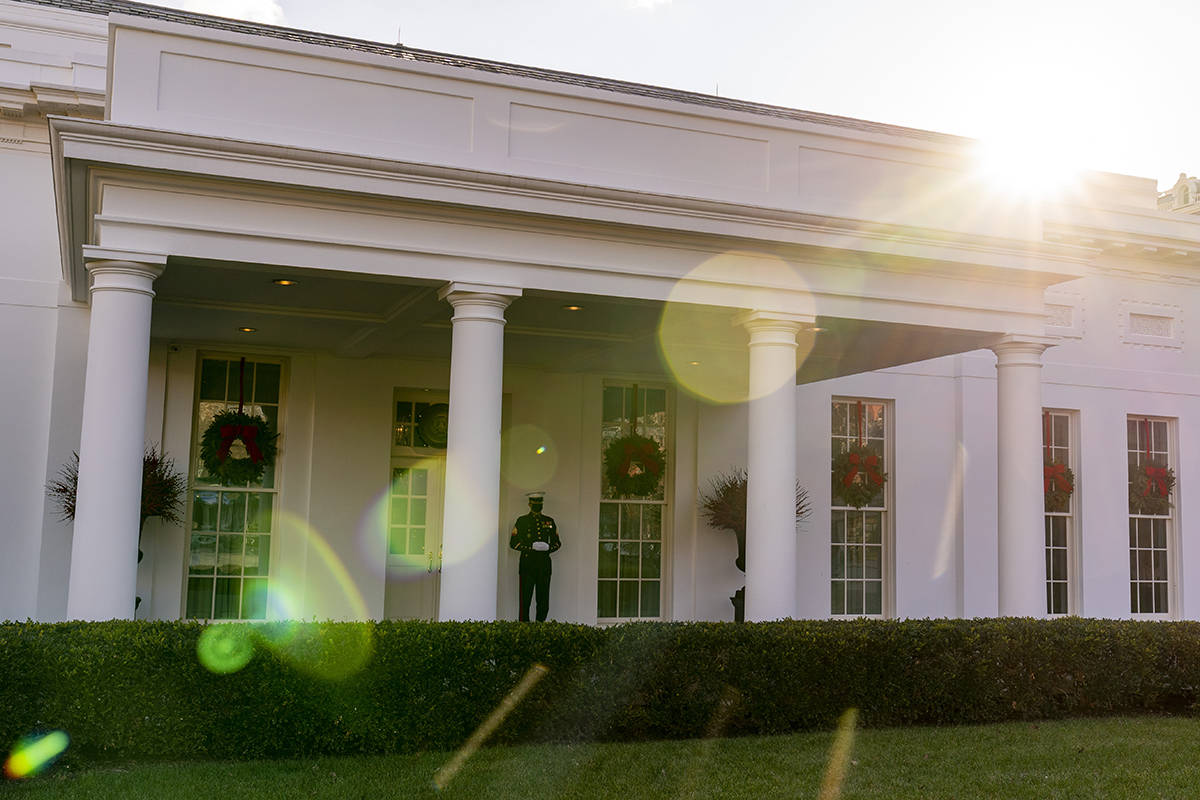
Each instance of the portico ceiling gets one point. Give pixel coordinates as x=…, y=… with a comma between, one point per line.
x=207, y=302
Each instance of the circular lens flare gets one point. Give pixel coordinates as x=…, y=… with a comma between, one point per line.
x=701, y=345
x=530, y=458
x=225, y=648
x=34, y=754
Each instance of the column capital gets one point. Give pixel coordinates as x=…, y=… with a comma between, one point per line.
x=478, y=301
x=1015, y=349
x=773, y=327
x=119, y=275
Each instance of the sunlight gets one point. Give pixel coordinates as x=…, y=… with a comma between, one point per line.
x=1032, y=167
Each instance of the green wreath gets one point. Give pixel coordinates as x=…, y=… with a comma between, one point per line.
x=856, y=476
x=256, y=437
x=634, y=465
x=1150, y=488
x=1058, y=484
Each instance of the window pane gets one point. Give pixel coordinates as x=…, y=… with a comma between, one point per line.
x=258, y=512
x=199, y=598
x=1058, y=598
x=1133, y=533
x=837, y=597
x=873, y=527
x=873, y=566
x=1160, y=565
x=266, y=383
x=400, y=481
x=606, y=599
x=608, y=560
x=874, y=598
x=630, y=521
x=1144, y=563
x=1058, y=526
x=1133, y=598
x=652, y=522
x=854, y=562
x=854, y=527
x=651, y=559
x=1058, y=565
x=1146, y=598
x=838, y=421
x=629, y=560
x=650, y=598
x=233, y=511
x=1143, y=533
x=258, y=555
x=627, y=600
x=212, y=379
x=254, y=599
x=839, y=526
x=416, y=541
x=398, y=541
x=854, y=597
x=1159, y=532
x=613, y=409
x=837, y=566
x=399, y=510
x=228, y=601
x=203, y=556
x=1160, y=598
x=229, y=555
x=608, y=520
x=204, y=511
x=420, y=482
x=416, y=511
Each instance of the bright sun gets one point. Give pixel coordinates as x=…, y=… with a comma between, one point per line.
x=1035, y=168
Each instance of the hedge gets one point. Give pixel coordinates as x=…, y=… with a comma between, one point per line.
x=136, y=690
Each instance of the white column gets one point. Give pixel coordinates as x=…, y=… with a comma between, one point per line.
x=102, y=583
x=1021, y=557
x=470, y=522
x=771, y=465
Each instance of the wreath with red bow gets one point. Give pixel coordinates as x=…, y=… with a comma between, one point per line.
x=1150, y=488
x=857, y=478
x=237, y=448
x=1058, y=484
x=634, y=465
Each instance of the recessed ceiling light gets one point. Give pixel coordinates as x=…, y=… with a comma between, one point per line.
x=572, y=308
x=815, y=329
x=694, y=363
x=284, y=282
x=247, y=330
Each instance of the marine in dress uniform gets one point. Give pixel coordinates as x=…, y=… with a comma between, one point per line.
x=536, y=537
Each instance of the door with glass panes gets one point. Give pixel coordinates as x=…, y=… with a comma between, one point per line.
x=414, y=540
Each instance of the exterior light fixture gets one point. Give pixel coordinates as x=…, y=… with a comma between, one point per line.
x=572, y=308
x=247, y=330
x=284, y=282
x=694, y=363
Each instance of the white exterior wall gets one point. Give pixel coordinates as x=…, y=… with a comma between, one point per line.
x=334, y=462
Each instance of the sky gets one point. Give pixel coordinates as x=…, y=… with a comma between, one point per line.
x=1104, y=84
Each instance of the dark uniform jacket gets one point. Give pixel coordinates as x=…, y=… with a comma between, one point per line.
x=530, y=528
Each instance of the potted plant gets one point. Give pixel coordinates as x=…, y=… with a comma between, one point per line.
x=723, y=505
x=163, y=487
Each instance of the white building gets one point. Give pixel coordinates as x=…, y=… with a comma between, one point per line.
x=529, y=246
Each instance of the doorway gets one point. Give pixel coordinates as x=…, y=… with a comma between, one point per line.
x=414, y=559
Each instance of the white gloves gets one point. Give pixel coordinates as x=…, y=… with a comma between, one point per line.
x=541, y=547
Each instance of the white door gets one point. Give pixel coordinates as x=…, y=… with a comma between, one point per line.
x=414, y=561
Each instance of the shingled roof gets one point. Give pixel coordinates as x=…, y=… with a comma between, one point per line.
x=105, y=7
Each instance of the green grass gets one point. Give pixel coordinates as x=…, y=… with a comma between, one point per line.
x=1142, y=757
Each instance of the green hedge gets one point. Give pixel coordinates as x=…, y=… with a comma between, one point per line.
x=138, y=690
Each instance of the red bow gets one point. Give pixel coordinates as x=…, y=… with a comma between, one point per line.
x=869, y=466
x=645, y=454
x=1156, y=477
x=1055, y=475
x=247, y=434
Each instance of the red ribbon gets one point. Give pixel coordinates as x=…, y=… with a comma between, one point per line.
x=1055, y=475
x=247, y=433
x=1156, y=477
x=644, y=453
x=869, y=466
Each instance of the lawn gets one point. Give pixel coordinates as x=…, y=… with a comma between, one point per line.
x=1143, y=757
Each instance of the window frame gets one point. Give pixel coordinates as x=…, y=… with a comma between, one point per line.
x=888, y=521
x=192, y=487
x=1073, y=537
x=666, y=507
x=1172, y=548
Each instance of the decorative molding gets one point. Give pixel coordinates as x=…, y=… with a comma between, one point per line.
x=1153, y=325
x=1065, y=315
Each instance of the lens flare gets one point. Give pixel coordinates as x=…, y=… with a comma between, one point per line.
x=530, y=458
x=333, y=651
x=701, y=345
x=226, y=648
x=839, y=756
x=34, y=754
x=396, y=532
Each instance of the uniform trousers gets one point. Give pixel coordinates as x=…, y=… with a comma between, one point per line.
x=534, y=573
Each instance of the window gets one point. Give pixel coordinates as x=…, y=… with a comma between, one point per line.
x=859, y=535
x=1151, y=525
x=1059, y=507
x=630, y=570
x=229, y=551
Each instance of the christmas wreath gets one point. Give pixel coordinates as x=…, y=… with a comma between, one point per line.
x=856, y=476
x=1150, y=489
x=634, y=465
x=237, y=447
x=1058, y=484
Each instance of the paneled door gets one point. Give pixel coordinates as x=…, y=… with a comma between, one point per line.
x=414, y=559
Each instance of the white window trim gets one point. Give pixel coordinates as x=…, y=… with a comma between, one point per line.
x=1174, y=550
x=1074, y=538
